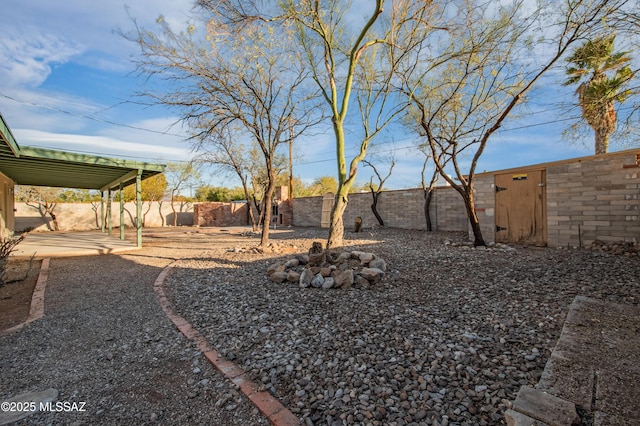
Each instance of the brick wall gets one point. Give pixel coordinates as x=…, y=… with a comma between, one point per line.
x=398, y=209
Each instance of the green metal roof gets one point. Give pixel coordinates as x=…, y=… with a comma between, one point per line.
x=46, y=167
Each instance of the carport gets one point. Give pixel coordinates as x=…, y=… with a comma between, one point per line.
x=46, y=167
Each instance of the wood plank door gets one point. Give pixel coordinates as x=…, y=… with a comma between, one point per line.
x=521, y=208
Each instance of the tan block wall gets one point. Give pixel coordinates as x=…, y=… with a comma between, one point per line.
x=593, y=199
x=485, y=200
x=85, y=216
x=220, y=214
x=307, y=211
x=398, y=209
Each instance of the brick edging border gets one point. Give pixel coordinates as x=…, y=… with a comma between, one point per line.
x=277, y=414
x=36, y=311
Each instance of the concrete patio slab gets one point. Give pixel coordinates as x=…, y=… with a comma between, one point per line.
x=65, y=244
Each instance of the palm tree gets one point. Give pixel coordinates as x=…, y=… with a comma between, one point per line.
x=606, y=74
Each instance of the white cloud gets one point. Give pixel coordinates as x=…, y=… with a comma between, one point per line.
x=98, y=145
x=26, y=60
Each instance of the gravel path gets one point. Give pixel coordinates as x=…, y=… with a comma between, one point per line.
x=448, y=337
x=104, y=340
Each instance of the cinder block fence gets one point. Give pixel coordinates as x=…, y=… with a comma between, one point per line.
x=571, y=202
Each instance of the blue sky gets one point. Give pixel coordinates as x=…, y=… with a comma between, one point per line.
x=66, y=83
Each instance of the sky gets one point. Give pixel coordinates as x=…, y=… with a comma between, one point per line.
x=67, y=82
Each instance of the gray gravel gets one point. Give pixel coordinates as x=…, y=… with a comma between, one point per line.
x=104, y=340
x=448, y=336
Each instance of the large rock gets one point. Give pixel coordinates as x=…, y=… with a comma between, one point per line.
x=378, y=263
x=276, y=267
x=292, y=263
x=328, y=283
x=344, y=257
x=317, y=281
x=293, y=276
x=305, y=278
x=278, y=277
x=373, y=275
x=343, y=279
x=302, y=259
x=365, y=258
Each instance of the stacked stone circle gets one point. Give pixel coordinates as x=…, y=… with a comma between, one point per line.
x=329, y=269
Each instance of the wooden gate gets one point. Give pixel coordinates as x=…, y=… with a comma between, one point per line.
x=521, y=212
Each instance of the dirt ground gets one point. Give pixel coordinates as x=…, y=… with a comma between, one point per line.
x=15, y=297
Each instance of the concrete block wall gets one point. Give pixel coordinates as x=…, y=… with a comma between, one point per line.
x=597, y=198
x=485, y=200
x=220, y=214
x=307, y=211
x=398, y=209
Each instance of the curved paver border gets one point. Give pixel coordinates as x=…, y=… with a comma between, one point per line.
x=277, y=414
x=36, y=311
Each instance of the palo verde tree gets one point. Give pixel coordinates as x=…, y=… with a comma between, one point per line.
x=230, y=73
x=603, y=76
x=347, y=54
x=487, y=60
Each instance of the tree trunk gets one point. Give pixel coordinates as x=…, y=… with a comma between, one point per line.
x=266, y=207
x=602, y=141
x=49, y=209
x=160, y=213
x=144, y=215
x=336, y=230
x=175, y=214
x=252, y=218
x=428, y=195
x=374, y=207
x=470, y=205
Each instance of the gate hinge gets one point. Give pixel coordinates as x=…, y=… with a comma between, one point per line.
x=500, y=228
x=499, y=188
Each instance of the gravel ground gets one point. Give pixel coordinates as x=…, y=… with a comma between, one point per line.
x=104, y=340
x=448, y=336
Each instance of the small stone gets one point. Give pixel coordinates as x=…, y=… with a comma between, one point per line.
x=302, y=259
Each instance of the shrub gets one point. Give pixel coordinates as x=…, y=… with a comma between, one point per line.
x=7, y=246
